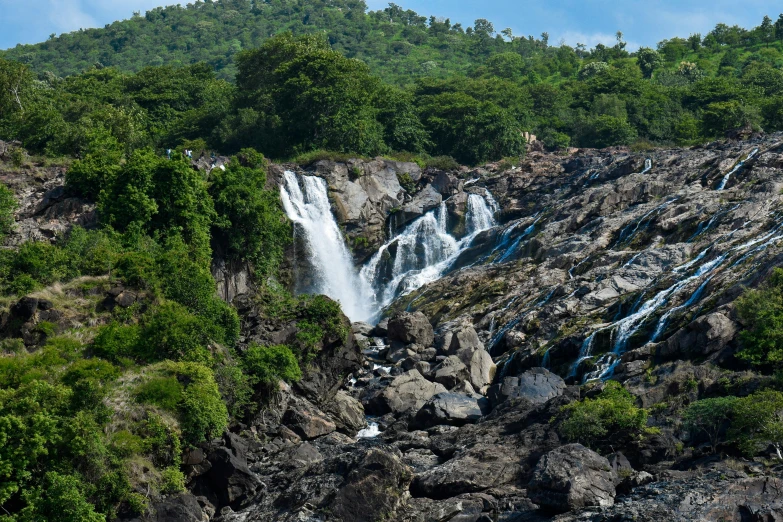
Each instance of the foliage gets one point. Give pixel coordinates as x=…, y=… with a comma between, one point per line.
x=711, y=417
x=611, y=416
x=407, y=183
x=267, y=364
x=250, y=224
x=8, y=206
x=758, y=422
x=762, y=313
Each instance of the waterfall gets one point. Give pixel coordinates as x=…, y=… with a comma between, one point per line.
x=739, y=165
x=647, y=166
x=332, y=271
x=423, y=252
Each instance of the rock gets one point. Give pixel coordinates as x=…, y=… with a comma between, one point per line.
x=408, y=392
x=572, y=477
x=382, y=328
x=183, y=507
x=347, y=412
x=126, y=299
x=229, y=477
x=306, y=454
x=453, y=409
x=410, y=328
x=425, y=200
x=537, y=385
x=364, y=329
x=482, y=370
x=706, y=335
x=307, y=421
x=25, y=308
x=450, y=372
x=374, y=490
x=461, y=340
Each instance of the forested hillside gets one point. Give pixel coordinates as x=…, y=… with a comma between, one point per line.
x=423, y=85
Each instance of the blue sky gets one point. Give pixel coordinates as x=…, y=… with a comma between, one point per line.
x=644, y=22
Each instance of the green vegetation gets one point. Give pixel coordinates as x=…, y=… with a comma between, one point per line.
x=611, y=417
x=749, y=423
x=762, y=312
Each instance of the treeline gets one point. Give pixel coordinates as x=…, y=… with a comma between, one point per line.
x=296, y=94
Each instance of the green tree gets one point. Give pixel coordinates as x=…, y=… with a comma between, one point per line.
x=648, y=60
x=758, y=421
x=711, y=417
x=8, y=206
x=761, y=311
x=309, y=97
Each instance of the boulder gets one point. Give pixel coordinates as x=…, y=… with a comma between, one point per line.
x=451, y=372
x=410, y=328
x=229, y=477
x=482, y=370
x=176, y=508
x=408, y=392
x=461, y=340
x=347, y=412
x=537, y=385
x=425, y=200
x=572, y=477
x=452, y=409
x=307, y=421
x=706, y=335
x=374, y=490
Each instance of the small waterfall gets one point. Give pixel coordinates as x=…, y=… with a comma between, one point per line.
x=739, y=166
x=647, y=166
x=423, y=252
x=626, y=236
x=513, y=248
x=332, y=272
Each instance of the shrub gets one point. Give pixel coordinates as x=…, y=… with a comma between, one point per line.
x=60, y=497
x=165, y=392
x=406, y=182
x=442, y=163
x=160, y=441
x=266, y=364
x=203, y=415
x=762, y=312
x=171, y=332
x=235, y=389
x=116, y=342
x=8, y=206
x=757, y=422
x=172, y=480
x=711, y=417
x=611, y=416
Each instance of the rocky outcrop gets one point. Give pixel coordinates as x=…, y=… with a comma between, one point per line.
x=408, y=393
x=572, y=477
x=537, y=385
x=408, y=328
x=453, y=409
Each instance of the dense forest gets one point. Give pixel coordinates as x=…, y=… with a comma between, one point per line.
x=285, y=79
x=395, y=82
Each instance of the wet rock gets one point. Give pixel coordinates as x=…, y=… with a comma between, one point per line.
x=706, y=335
x=425, y=200
x=411, y=328
x=537, y=385
x=408, y=393
x=452, y=409
x=572, y=477
x=229, y=476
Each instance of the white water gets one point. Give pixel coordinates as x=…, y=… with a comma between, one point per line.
x=369, y=432
x=332, y=268
x=647, y=166
x=739, y=165
x=424, y=251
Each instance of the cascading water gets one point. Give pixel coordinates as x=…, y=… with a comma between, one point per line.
x=739, y=166
x=424, y=251
x=332, y=272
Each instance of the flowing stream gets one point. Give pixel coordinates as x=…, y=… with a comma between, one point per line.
x=422, y=253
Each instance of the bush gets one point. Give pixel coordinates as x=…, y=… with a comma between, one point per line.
x=172, y=480
x=407, y=182
x=60, y=497
x=611, y=416
x=758, y=422
x=171, y=332
x=8, y=206
x=266, y=364
x=442, y=163
x=202, y=413
x=116, y=342
x=711, y=417
x=762, y=313
x=165, y=392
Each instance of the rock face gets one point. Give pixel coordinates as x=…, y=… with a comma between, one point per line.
x=572, y=477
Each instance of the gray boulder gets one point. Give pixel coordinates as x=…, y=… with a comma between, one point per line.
x=706, y=335
x=425, y=200
x=572, y=477
x=538, y=385
x=410, y=328
x=451, y=372
x=347, y=412
x=307, y=421
x=408, y=393
x=482, y=370
x=452, y=409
